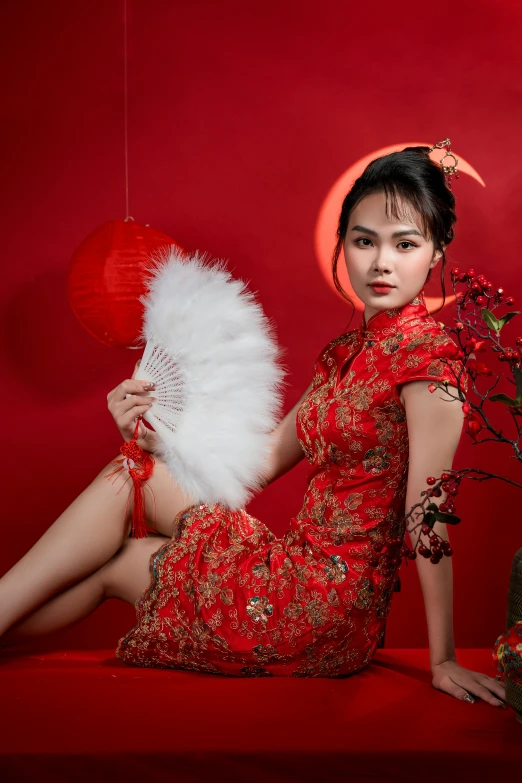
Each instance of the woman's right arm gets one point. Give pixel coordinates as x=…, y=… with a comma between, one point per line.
x=285, y=450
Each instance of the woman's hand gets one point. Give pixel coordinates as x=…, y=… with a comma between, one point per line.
x=126, y=410
x=452, y=678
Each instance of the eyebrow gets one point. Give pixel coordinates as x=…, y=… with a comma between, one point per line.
x=396, y=234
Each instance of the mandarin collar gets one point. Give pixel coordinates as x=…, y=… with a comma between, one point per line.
x=380, y=322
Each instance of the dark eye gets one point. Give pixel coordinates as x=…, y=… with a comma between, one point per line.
x=365, y=239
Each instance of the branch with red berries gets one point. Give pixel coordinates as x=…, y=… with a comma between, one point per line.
x=477, y=327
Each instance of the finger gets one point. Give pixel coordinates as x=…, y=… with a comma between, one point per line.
x=129, y=386
x=449, y=686
x=133, y=409
x=119, y=409
x=485, y=687
x=475, y=689
x=129, y=420
x=496, y=686
x=136, y=368
x=133, y=399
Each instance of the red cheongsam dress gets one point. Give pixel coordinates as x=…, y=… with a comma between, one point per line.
x=229, y=597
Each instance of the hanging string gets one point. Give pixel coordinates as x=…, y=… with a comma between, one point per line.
x=126, y=110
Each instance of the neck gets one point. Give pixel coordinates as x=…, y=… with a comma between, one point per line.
x=375, y=321
x=371, y=312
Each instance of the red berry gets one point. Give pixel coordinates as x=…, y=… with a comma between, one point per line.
x=500, y=292
x=445, y=486
x=448, y=552
x=510, y=300
x=482, y=280
x=519, y=341
x=431, y=480
x=459, y=326
x=476, y=286
x=425, y=529
x=481, y=301
x=462, y=277
x=470, y=272
x=466, y=408
x=445, y=476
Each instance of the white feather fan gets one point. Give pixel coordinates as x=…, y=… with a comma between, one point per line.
x=212, y=353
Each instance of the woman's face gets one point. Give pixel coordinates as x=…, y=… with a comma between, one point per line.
x=379, y=250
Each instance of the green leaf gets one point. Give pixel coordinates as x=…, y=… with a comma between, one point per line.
x=518, y=379
x=490, y=319
x=449, y=519
x=441, y=516
x=505, y=399
x=429, y=519
x=507, y=317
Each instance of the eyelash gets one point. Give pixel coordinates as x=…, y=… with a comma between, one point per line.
x=404, y=242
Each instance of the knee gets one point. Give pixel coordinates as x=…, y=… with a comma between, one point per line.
x=111, y=573
x=127, y=573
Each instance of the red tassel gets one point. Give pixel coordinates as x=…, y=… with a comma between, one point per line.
x=140, y=465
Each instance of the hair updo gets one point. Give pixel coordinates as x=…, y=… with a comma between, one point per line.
x=413, y=177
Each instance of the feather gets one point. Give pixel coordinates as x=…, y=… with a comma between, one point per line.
x=214, y=357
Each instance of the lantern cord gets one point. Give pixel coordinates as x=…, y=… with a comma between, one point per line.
x=125, y=111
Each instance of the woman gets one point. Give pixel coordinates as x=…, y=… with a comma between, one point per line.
x=223, y=594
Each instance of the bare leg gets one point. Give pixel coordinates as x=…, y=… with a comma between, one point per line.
x=125, y=576
x=87, y=535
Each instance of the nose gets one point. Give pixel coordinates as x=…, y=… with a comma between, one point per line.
x=382, y=263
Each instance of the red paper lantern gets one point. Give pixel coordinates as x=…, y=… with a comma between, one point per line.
x=107, y=278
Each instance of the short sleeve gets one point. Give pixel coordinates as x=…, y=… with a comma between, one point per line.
x=420, y=359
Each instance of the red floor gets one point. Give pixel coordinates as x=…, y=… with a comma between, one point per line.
x=79, y=715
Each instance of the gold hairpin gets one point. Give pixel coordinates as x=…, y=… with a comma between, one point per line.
x=450, y=169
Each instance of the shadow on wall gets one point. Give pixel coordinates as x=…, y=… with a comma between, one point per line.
x=48, y=349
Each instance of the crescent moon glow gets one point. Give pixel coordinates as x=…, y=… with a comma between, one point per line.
x=326, y=225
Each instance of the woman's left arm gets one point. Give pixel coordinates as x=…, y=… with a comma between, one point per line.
x=434, y=429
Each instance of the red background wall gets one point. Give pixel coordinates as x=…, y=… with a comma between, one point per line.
x=242, y=116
